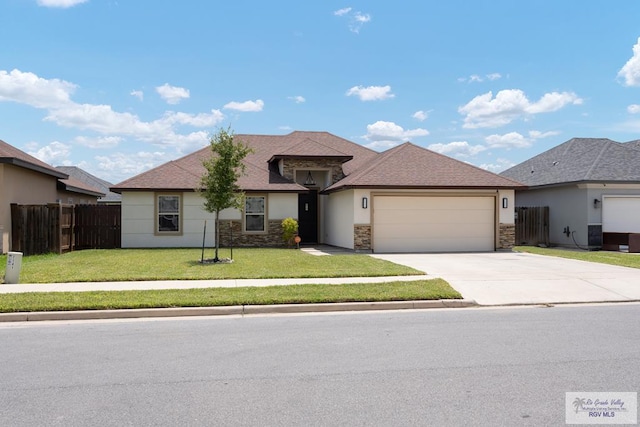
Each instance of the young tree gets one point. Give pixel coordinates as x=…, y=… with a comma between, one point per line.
x=219, y=183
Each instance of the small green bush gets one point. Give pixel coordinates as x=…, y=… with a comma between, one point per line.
x=289, y=230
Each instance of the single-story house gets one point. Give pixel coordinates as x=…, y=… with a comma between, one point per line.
x=406, y=199
x=591, y=186
x=27, y=180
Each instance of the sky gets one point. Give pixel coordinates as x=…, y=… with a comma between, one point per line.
x=117, y=87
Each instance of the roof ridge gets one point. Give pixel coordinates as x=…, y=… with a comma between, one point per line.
x=604, y=148
x=324, y=145
x=379, y=158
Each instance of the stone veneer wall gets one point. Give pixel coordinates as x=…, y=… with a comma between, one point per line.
x=506, y=236
x=273, y=238
x=290, y=165
x=362, y=237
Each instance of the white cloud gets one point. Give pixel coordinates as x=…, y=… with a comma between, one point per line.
x=535, y=134
x=60, y=3
x=98, y=142
x=120, y=166
x=371, y=93
x=356, y=18
x=297, y=99
x=420, y=115
x=28, y=88
x=633, y=109
x=487, y=111
x=553, y=101
x=53, y=154
x=343, y=11
x=508, y=140
x=499, y=166
x=54, y=97
x=172, y=94
x=247, y=106
x=388, y=134
x=476, y=78
x=457, y=148
x=138, y=94
x=197, y=120
x=362, y=17
x=101, y=118
x=631, y=70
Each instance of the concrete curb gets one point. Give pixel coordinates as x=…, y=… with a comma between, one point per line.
x=233, y=310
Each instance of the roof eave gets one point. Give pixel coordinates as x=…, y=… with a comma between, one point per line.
x=275, y=157
x=422, y=187
x=37, y=168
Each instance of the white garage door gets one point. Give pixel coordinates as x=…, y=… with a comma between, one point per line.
x=621, y=214
x=433, y=224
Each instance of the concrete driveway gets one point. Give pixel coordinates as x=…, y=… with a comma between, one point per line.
x=519, y=278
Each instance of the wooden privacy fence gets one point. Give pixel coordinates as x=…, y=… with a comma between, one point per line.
x=97, y=226
x=58, y=228
x=532, y=225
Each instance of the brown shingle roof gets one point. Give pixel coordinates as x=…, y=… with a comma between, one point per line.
x=405, y=166
x=185, y=173
x=411, y=166
x=76, y=186
x=11, y=155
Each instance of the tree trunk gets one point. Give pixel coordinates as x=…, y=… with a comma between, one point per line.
x=216, y=259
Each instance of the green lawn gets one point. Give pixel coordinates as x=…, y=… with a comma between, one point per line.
x=208, y=297
x=604, y=257
x=184, y=264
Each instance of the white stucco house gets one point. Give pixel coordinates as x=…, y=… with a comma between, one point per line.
x=592, y=189
x=406, y=199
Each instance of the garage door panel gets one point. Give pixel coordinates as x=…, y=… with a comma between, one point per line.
x=621, y=214
x=426, y=231
x=433, y=224
x=473, y=216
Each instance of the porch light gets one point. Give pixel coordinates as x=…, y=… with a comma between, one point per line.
x=505, y=202
x=596, y=202
x=309, y=182
x=365, y=203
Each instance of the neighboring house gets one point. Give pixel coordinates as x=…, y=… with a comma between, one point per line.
x=592, y=188
x=407, y=199
x=27, y=180
x=109, y=197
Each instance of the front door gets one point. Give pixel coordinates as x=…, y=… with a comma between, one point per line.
x=308, y=216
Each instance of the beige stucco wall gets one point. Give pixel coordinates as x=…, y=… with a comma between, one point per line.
x=506, y=215
x=282, y=205
x=22, y=186
x=339, y=219
x=138, y=219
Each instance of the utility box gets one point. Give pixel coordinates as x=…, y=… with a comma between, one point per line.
x=14, y=264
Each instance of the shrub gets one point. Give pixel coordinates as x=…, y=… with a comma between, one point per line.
x=289, y=230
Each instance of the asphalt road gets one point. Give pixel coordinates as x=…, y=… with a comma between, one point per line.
x=488, y=366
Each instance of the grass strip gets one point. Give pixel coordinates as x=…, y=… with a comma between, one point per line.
x=102, y=265
x=432, y=289
x=622, y=259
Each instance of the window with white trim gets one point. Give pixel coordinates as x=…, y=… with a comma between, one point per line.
x=168, y=209
x=255, y=213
